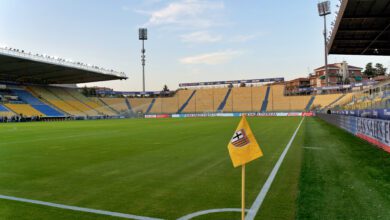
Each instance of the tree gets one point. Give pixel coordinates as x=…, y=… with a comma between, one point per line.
x=92, y=91
x=85, y=91
x=369, y=71
x=242, y=84
x=380, y=70
x=165, y=88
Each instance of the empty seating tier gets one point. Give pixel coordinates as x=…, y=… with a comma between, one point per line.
x=24, y=110
x=4, y=112
x=53, y=99
x=322, y=101
x=140, y=104
x=36, y=103
x=119, y=104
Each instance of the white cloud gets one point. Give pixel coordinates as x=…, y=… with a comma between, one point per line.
x=244, y=37
x=200, y=37
x=212, y=58
x=189, y=13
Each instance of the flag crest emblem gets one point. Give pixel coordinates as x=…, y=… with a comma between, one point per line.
x=240, y=138
x=243, y=146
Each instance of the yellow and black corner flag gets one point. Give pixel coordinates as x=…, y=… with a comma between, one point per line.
x=243, y=146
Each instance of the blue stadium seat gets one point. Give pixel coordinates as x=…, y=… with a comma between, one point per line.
x=47, y=110
x=36, y=103
x=3, y=109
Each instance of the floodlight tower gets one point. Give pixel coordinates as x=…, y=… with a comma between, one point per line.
x=143, y=35
x=323, y=11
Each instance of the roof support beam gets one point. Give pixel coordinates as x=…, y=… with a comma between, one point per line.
x=378, y=36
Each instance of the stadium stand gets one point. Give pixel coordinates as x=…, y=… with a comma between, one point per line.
x=101, y=103
x=36, y=103
x=119, y=104
x=226, y=99
x=169, y=105
x=157, y=106
x=201, y=102
x=279, y=102
x=322, y=101
x=191, y=104
x=242, y=100
x=150, y=106
x=206, y=100
x=347, y=98
x=4, y=112
x=43, y=93
x=184, y=97
x=24, y=109
x=63, y=94
x=93, y=104
x=140, y=104
x=310, y=103
x=128, y=104
x=264, y=104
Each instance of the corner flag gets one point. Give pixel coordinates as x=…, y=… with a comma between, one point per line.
x=243, y=146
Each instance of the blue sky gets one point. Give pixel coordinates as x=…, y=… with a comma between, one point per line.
x=189, y=40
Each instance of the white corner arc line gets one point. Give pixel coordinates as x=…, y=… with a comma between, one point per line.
x=205, y=212
x=267, y=185
x=80, y=209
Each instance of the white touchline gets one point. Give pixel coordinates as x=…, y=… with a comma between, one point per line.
x=260, y=198
x=76, y=208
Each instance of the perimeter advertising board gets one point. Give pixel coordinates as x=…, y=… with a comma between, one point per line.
x=375, y=131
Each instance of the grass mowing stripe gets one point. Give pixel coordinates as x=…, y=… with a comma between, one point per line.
x=76, y=208
x=347, y=179
x=142, y=167
x=260, y=198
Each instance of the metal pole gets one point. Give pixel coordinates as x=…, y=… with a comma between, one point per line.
x=143, y=66
x=326, y=54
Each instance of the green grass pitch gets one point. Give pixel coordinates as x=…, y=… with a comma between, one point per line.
x=168, y=168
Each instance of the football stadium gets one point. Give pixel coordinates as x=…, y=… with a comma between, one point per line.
x=322, y=142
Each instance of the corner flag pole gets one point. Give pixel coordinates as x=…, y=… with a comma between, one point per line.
x=243, y=192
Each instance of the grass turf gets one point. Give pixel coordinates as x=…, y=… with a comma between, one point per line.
x=163, y=168
x=342, y=176
x=168, y=168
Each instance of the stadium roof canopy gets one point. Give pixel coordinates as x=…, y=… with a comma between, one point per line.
x=17, y=66
x=362, y=27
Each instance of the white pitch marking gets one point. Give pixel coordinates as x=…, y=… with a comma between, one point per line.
x=260, y=198
x=76, y=208
x=205, y=212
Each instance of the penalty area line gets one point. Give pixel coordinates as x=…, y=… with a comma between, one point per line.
x=76, y=208
x=267, y=185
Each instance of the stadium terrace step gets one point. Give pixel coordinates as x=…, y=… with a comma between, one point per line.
x=223, y=103
x=36, y=103
x=151, y=105
x=3, y=109
x=48, y=111
x=335, y=101
x=24, y=109
x=265, y=101
x=5, y=112
x=310, y=103
x=107, y=105
x=186, y=103
x=128, y=105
